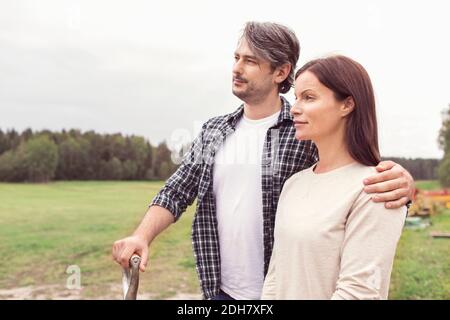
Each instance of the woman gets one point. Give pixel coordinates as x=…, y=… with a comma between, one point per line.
x=331, y=240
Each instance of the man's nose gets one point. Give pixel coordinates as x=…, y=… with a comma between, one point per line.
x=237, y=67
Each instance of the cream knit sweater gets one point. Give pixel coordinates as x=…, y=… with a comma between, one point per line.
x=331, y=240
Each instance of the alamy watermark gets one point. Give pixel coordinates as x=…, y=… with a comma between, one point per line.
x=201, y=145
x=73, y=281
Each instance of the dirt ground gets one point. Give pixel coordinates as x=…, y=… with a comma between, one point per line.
x=56, y=292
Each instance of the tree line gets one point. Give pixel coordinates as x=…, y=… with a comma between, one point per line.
x=419, y=168
x=72, y=155
x=444, y=144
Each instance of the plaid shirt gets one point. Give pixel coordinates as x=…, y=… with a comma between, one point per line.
x=283, y=156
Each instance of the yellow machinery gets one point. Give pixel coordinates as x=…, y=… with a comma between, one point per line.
x=426, y=203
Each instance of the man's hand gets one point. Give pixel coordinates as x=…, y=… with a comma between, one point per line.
x=392, y=185
x=123, y=249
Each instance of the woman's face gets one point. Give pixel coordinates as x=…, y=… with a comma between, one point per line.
x=317, y=114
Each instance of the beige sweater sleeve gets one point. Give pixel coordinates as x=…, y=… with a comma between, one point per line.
x=367, y=253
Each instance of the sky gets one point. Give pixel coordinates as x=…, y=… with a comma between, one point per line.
x=160, y=69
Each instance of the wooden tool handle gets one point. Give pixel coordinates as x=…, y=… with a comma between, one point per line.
x=135, y=260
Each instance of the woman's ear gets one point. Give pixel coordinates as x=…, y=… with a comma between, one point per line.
x=347, y=106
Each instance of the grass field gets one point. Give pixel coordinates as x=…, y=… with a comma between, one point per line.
x=422, y=265
x=428, y=185
x=44, y=228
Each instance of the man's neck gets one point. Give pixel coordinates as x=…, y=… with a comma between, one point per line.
x=263, y=109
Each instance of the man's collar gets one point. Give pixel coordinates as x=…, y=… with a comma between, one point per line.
x=285, y=113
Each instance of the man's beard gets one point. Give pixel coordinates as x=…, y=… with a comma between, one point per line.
x=251, y=94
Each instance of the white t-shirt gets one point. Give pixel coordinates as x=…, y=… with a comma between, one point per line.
x=238, y=193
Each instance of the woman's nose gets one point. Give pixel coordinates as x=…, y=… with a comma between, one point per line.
x=296, y=109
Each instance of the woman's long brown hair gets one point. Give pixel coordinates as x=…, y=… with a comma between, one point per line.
x=347, y=78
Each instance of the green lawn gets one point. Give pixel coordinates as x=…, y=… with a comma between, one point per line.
x=428, y=184
x=422, y=265
x=44, y=228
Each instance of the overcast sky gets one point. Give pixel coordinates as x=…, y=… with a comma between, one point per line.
x=161, y=68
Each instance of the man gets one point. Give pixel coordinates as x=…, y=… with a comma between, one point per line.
x=236, y=168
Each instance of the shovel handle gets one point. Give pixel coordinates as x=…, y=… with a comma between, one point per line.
x=131, y=294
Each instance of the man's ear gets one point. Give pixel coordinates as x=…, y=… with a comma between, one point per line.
x=282, y=72
x=347, y=106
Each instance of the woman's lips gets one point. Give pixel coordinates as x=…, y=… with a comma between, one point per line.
x=299, y=123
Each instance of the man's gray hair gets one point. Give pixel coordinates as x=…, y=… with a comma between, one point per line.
x=275, y=43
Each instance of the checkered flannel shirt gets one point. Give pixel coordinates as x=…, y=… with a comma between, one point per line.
x=283, y=156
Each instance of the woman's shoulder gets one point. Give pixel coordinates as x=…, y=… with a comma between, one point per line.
x=362, y=169
x=354, y=174
x=292, y=181
x=365, y=199
x=301, y=174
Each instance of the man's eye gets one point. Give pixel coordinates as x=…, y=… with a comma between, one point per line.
x=251, y=61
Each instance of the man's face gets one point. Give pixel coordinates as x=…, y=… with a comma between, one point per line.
x=253, y=77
